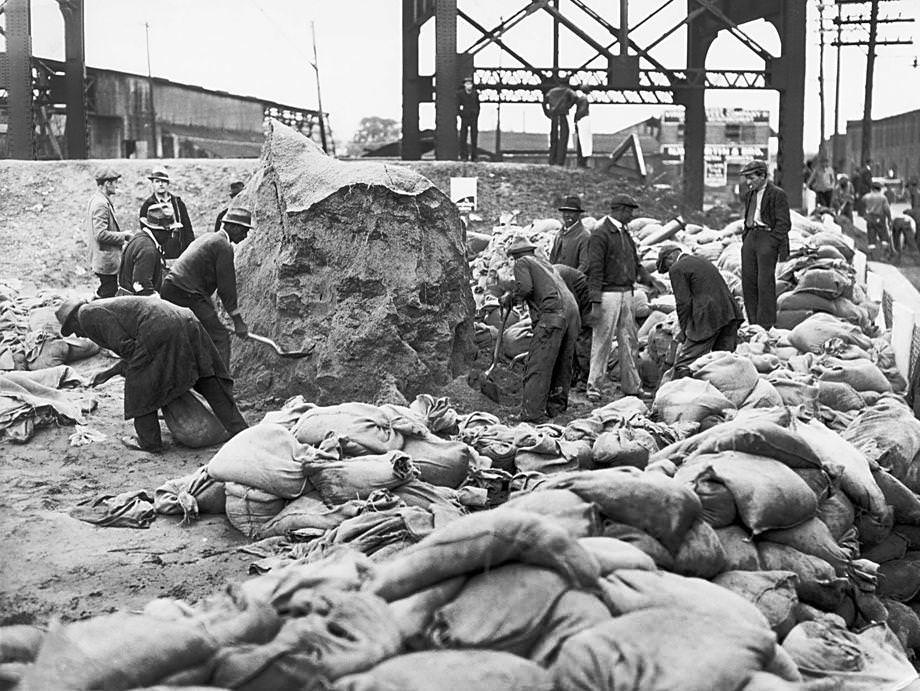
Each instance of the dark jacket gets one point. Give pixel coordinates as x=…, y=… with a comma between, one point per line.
x=774, y=211
x=172, y=242
x=141, y=270
x=165, y=348
x=577, y=283
x=613, y=263
x=571, y=247
x=704, y=303
x=207, y=267
x=468, y=104
x=558, y=101
x=535, y=283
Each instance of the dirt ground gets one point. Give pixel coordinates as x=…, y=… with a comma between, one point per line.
x=55, y=566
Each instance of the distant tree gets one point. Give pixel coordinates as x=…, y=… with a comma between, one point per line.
x=372, y=132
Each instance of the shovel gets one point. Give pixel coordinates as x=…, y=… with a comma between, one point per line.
x=293, y=354
x=487, y=384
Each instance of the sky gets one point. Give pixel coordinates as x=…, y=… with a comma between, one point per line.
x=263, y=48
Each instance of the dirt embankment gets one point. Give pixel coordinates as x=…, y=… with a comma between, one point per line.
x=56, y=566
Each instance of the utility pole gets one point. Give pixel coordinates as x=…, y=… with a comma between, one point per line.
x=837, y=153
x=872, y=45
x=821, y=74
x=153, y=153
x=319, y=97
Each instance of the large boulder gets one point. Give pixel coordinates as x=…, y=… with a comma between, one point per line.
x=366, y=260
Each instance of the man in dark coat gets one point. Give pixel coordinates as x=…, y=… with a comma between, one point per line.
x=468, y=110
x=571, y=244
x=707, y=313
x=181, y=235
x=557, y=102
x=142, y=264
x=554, y=314
x=205, y=268
x=164, y=352
x=765, y=239
x=235, y=189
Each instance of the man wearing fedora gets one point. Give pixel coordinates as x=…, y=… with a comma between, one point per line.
x=142, y=264
x=707, y=313
x=164, y=352
x=764, y=240
x=205, y=267
x=556, y=322
x=571, y=244
x=613, y=269
x=175, y=240
x=104, y=237
x=235, y=189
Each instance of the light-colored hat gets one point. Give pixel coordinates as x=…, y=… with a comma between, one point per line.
x=104, y=174
x=520, y=245
x=238, y=216
x=159, y=175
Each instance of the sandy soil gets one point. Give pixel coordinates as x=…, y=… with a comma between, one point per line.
x=56, y=566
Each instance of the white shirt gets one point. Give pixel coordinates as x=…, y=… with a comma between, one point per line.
x=758, y=200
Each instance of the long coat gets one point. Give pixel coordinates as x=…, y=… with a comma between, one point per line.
x=704, y=304
x=173, y=244
x=164, y=347
x=103, y=236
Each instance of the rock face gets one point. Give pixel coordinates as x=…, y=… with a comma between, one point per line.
x=366, y=260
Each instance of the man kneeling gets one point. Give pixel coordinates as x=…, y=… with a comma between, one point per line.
x=164, y=351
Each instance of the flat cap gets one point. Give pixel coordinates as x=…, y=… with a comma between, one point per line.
x=104, y=174
x=623, y=200
x=755, y=166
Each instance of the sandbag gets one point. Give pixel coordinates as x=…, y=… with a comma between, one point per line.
x=837, y=513
x=889, y=432
x=116, y=651
x=248, y=509
x=740, y=552
x=309, y=515
x=579, y=518
x=574, y=612
x=613, y=554
x=662, y=648
x=764, y=395
x=266, y=457
x=192, y=422
x=904, y=503
x=701, y=553
x=794, y=392
x=689, y=400
x=439, y=461
x=811, y=335
x=487, y=539
x=718, y=502
x=868, y=661
x=839, y=395
x=813, y=537
x=658, y=505
x=366, y=428
x=358, y=478
x=734, y=375
x=434, y=498
x=772, y=592
x=893, y=547
x=900, y=579
x=862, y=375
x=502, y=609
x=789, y=319
x=827, y=283
x=623, y=446
x=767, y=493
x=641, y=541
x=904, y=623
x=194, y=494
x=413, y=614
x=817, y=582
x=544, y=450
x=451, y=669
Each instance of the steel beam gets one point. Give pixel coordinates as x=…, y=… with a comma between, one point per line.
x=21, y=128
x=446, y=145
x=699, y=39
x=411, y=148
x=790, y=158
x=75, y=130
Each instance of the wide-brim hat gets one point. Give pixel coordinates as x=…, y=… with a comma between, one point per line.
x=160, y=217
x=520, y=245
x=238, y=216
x=66, y=314
x=159, y=175
x=104, y=174
x=755, y=166
x=572, y=203
x=623, y=200
x=665, y=251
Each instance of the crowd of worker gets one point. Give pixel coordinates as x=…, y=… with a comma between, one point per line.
x=166, y=347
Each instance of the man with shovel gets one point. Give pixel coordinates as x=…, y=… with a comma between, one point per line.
x=205, y=267
x=556, y=322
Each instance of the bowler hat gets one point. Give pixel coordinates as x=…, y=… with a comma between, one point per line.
x=623, y=200
x=160, y=217
x=520, y=245
x=572, y=203
x=238, y=216
x=159, y=175
x=664, y=251
x=65, y=315
x=104, y=174
x=755, y=166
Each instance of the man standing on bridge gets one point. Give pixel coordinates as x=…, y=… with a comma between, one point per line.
x=765, y=239
x=468, y=110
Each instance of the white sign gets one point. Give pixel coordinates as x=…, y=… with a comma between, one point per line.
x=716, y=174
x=744, y=151
x=463, y=193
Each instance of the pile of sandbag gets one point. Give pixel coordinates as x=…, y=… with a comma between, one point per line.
x=18, y=331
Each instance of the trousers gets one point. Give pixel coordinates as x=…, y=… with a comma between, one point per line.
x=724, y=339
x=471, y=126
x=207, y=315
x=558, y=139
x=759, y=251
x=216, y=392
x=616, y=317
x=548, y=368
